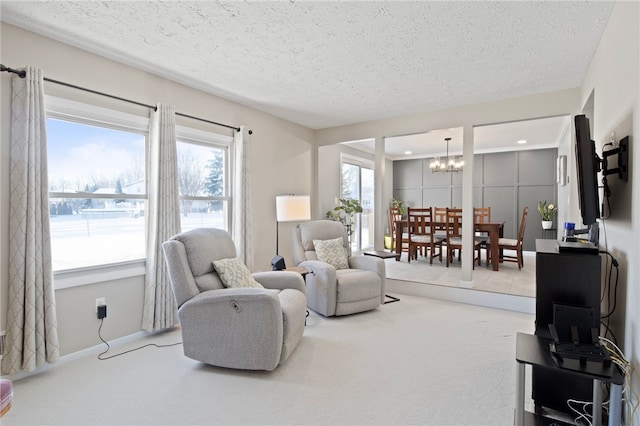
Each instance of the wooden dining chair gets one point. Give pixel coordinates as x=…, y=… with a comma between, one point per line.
x=394, y=216
x=454, y=237
x=422, y=234
x=514, y=244
x=482, y=215
x=440, y=218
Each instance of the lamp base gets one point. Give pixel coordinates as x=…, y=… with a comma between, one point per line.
x=277, y=263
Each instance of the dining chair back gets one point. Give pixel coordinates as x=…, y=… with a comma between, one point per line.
x=482, y=215
x=454, y=236
x=420, y=225
x=440, y=217
x=394, y=217
x=514, y=244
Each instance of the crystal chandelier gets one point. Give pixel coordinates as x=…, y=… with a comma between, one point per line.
x=448, y=164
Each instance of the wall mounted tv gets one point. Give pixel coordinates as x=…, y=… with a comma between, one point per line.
x=588, y=166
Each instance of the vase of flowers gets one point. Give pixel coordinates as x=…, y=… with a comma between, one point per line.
x=547, y=210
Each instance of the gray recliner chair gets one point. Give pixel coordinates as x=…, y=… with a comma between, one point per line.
x=330, y=291
x=243, y=328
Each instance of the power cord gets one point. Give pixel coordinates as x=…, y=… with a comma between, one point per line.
x=628, y=392
x=104, y=358
x=604, y=319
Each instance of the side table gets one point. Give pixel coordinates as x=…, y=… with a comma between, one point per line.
x=534, y=350
x=303, y=272
x=385, y=255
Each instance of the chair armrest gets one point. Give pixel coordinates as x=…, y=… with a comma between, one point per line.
x=374, y=264
x=280, y=280
x=368, y=263
x=322, y=286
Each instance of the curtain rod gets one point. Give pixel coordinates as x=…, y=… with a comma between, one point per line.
x=23, y=74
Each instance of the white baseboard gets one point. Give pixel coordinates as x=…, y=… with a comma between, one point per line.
x=94, y=350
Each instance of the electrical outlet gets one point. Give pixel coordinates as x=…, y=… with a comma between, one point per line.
x=100, y=301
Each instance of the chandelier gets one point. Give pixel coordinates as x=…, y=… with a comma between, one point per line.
x=448, y=164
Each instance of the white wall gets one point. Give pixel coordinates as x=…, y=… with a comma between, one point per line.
x=613, y=78
x=282, y=160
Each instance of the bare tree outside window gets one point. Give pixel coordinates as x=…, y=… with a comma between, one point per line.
x=202, y=175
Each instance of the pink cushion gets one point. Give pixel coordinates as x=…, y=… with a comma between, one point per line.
x=6, y=394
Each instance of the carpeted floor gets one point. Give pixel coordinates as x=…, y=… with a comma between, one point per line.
x=418, y=361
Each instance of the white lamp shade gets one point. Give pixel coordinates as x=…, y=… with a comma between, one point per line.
x=290, y=208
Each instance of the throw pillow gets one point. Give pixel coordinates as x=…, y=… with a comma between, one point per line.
x=332, y=252
x=234, y=273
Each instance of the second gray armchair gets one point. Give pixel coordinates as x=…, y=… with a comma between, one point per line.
x=337, y=283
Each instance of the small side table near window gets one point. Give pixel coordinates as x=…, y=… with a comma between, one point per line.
x=303, y=272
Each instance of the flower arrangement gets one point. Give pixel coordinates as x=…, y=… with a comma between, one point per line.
x=547, y=210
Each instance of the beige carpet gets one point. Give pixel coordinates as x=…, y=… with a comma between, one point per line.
x=415, y=362
x=507, y=280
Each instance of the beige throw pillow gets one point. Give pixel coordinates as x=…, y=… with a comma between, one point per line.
x=332, y=252
x=234, y=274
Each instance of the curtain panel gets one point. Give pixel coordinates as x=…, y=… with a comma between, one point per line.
x=32, y=335
x=163, y=220
x=241, y=223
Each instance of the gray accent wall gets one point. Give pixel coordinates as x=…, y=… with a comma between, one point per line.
x=504, y=181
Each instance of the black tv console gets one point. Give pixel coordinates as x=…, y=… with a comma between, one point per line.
x=568, y=278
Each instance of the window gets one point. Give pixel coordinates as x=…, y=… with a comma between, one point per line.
x=97, y=186
x=203, y=179
x=97, y=160
x=357, y=183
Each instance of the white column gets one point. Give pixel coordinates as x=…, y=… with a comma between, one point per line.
x=467, y=208
x=380, y=204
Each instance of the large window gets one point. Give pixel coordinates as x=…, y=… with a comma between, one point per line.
x=357, y=184
x=97, y=161
x=97, y=190
x=203, y=180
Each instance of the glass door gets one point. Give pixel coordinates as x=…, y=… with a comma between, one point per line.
x=357, y=184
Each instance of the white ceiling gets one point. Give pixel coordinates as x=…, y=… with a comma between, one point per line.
x=537, y=133
x=324, y=64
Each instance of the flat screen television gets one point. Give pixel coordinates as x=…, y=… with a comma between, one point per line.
x=588, y=166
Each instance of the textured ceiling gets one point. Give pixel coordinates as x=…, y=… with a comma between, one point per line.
x=324, y=64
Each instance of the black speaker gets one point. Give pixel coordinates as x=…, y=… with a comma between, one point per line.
x=277, y=263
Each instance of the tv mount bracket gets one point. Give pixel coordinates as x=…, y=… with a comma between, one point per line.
x=623, y=160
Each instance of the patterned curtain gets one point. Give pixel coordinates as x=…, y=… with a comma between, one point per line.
x=241, y=224
x=32, y=334
x=163, y=221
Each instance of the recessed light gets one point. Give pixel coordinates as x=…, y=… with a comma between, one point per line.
x=522, y=141
x=408, y=153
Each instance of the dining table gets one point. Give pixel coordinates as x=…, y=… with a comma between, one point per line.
x=495, y=229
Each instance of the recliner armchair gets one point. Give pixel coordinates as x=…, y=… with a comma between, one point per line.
x=330, y=291
x=243, y=328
